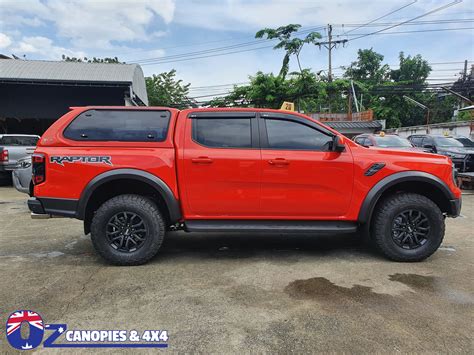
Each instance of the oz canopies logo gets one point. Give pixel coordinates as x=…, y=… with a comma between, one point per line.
x=76, y=338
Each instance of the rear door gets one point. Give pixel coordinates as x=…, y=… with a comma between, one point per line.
x=301, y=177
x=221, y=162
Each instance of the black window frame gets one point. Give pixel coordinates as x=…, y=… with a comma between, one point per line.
x=115, y=140
x=262, y=117
x=252, y=116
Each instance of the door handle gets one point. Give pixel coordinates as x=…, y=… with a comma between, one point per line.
x=278, y=161
x=202, y=160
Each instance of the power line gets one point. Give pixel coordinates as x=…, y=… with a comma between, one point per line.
x=455, y=2
x=218, y=49
x=381, y=17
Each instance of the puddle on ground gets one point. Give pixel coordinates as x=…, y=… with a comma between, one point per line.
x=321, y=288
x=416, y=281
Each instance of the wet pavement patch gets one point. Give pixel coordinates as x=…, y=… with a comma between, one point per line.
x=321, y=289
x=416, y=281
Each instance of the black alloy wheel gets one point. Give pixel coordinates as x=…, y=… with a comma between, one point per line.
x=410, y=229
x=126, y=231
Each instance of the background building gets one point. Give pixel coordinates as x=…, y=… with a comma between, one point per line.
x=33, y=94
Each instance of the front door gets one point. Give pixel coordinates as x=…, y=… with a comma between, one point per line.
x=221, y=165
x=301, y=177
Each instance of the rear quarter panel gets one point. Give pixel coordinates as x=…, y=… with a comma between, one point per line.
x=68, y=180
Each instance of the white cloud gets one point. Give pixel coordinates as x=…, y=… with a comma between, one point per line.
x=5, y=41
x=244, y=15
x=44, y=47
x=92, y=23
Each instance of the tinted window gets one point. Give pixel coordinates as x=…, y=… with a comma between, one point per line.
x=416, y=141
x=223, y=132
x=427, y=141
x=292, y=135
x=465, y=141
x=119, y=125
x=19, y=141
x=391, y=141
x=447, y=142
x=360, y=140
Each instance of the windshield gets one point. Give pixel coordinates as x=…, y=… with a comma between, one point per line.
x=466, y=142
x=18, y=141
x=447, y=142
x=391, y=141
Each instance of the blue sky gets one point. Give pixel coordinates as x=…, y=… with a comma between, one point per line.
x=138, y=30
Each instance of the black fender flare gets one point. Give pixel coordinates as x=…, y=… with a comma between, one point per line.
x=371, y=199
x=155, y=183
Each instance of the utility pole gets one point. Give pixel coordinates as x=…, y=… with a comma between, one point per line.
x=329, y=50
x=329, y=45
x=464, y=76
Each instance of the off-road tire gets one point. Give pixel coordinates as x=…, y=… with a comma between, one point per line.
x=389, y=208
x=147, y=211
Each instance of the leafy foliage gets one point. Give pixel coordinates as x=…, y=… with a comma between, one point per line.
x=412, y=69
x=368, y=67
x=164, y=90
x=292, y=45
x=377, y=87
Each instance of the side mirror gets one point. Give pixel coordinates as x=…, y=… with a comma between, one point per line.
x=337, y=145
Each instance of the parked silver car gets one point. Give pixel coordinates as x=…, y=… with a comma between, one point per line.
x=14, y=147
x=21, y=176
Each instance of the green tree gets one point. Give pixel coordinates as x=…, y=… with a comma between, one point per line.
x=106, y=60
x=412, y=69
x=292, y=45
x=368, y=67
x=164, y=90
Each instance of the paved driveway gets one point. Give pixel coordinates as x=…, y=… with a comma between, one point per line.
x=225, y=293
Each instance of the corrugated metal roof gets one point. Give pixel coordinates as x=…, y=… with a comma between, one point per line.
x=13, y=69
x=353, y=124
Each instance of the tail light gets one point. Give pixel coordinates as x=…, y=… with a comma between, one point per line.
x=5, y=155
x=39, y=168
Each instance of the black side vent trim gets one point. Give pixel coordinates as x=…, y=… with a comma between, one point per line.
x=374, y=168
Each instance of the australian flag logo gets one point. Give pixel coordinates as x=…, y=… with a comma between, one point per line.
x=36, y=327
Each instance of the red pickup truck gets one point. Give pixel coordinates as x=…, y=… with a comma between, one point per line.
x=133, y=173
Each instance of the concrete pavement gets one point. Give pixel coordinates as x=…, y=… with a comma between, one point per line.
x=223, y=293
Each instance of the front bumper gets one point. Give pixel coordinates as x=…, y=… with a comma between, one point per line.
x=464, y=165
x=455, y=207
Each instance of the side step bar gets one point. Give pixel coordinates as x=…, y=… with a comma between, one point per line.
x=270, y=226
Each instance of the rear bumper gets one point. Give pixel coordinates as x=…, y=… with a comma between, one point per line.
x=455, y=207
x=53, y=206
x=8, y=167
x=35, y=206
x=18, y=184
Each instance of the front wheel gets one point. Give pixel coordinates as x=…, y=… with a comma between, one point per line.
x=127, y=230
x=408, y=227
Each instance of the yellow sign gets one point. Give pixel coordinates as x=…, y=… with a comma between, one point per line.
x=288, y=106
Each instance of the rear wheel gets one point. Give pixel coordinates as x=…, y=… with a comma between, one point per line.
x=408, y=227
x=127, y=230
